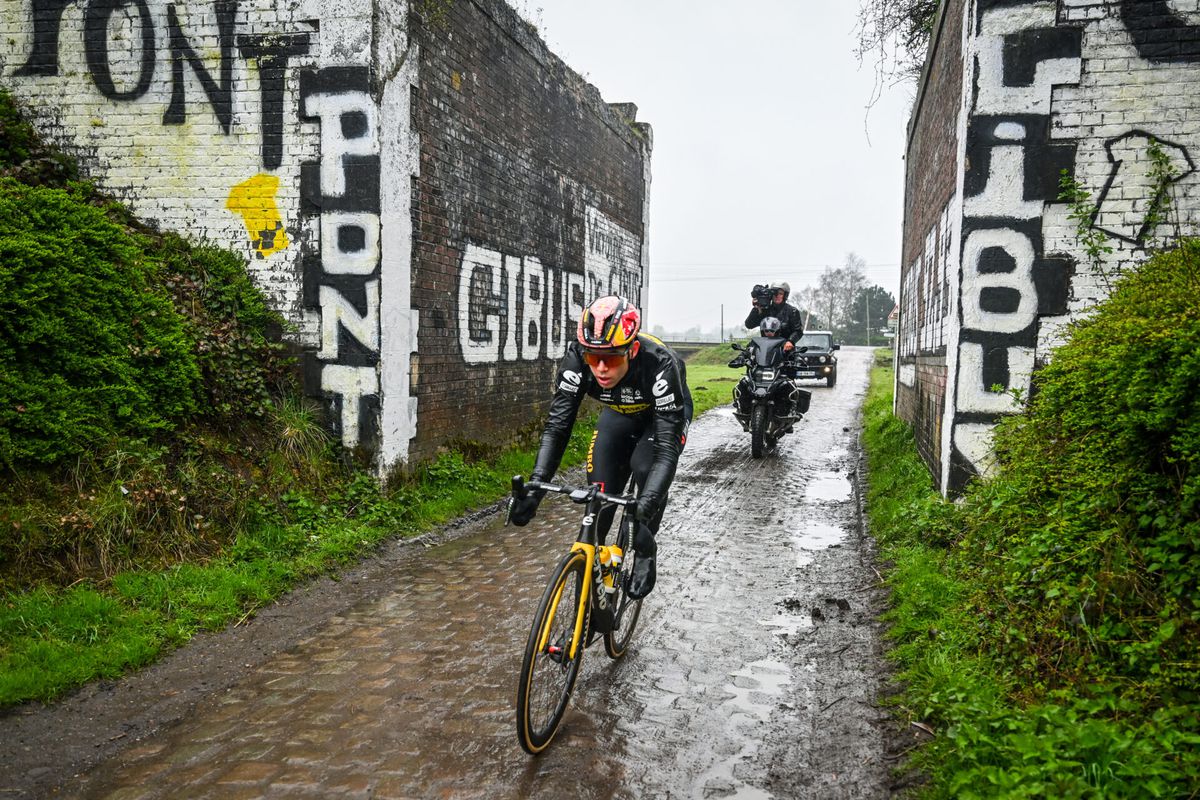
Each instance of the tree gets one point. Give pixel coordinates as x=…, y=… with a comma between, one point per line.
x=837, y=290
x=895, y=34
x=870, y=312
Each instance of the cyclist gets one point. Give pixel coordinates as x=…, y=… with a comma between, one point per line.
x=641, y=430
x=791, y=326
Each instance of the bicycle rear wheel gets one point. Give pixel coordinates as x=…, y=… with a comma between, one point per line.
x=616, y=641
x=548, y=671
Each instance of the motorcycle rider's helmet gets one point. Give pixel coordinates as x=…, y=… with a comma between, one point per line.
x=769, y=327
x=781, y=286
x=609, y=325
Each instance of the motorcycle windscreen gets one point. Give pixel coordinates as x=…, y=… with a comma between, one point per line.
x=767, y=352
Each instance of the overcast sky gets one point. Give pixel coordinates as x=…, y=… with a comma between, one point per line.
x=766, y=163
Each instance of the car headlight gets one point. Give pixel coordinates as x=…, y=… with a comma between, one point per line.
x=823, y=359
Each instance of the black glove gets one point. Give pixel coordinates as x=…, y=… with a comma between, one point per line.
x=523, y=509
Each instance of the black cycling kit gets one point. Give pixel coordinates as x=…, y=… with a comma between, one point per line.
x=641, y=430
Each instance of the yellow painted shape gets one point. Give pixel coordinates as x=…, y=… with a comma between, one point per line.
x=254, y=200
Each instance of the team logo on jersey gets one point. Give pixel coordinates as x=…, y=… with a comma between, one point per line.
x=570, y=381
x=660, y=384
x=627, y=395
x=665, y=401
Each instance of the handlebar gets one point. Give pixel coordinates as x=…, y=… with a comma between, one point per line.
x=521, y=488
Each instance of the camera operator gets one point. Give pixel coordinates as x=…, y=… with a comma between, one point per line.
x=771, y=301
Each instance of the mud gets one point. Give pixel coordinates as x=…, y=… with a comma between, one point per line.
x=755, y=671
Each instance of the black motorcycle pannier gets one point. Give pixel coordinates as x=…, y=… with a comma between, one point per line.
x=803, y=396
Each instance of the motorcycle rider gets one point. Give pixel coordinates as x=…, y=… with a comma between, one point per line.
x=772, y=328
x=774, y=304
x=641, y=430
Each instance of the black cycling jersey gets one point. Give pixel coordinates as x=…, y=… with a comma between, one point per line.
x=654, y=391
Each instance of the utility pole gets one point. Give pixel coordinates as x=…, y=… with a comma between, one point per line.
x=722, y=322
x=867, y=303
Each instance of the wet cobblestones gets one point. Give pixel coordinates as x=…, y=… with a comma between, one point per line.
x=754, y=671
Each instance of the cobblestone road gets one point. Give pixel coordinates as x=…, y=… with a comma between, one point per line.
x=753, y=674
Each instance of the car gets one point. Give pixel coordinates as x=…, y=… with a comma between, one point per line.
x=817, y=362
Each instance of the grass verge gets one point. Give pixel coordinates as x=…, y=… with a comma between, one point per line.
x=995, y=732
x=54, y=639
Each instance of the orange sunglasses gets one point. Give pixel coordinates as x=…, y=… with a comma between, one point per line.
x=610, y=360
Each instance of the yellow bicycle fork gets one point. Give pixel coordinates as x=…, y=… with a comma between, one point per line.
x=589, y=552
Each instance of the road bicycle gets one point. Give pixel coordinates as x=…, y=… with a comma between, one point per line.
x=584, y=600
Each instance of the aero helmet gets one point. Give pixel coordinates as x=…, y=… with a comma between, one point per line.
x=610, y=324
x=769, y=326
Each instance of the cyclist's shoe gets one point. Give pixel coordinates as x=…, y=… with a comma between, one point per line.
x=641, y=579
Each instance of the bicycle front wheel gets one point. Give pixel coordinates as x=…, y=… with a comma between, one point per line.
x=548, y=670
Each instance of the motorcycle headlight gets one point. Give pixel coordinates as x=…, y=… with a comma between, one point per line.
x=767, y=375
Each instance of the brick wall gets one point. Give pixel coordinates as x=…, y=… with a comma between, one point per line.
x=1081, y=86
x=931, y=205
x=429, y=204
x=531, y=197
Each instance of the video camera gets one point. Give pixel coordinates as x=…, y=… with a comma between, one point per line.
x=761, y=294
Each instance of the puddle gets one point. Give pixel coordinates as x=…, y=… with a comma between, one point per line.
x=757, y=689
x=828, y=488
x=816, y=536
x=785, y=624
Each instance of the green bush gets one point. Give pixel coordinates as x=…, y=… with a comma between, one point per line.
x=1096, y=505
x=236, y=335
x=88, y=345
x=24, y=156
x=1046, y=627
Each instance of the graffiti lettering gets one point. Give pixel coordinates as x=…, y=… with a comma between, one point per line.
x=984, y=308
x=611, y=258
x=95, y=41
x=494, y=326
x=1011, y=174
x=47, y=22
x=270, y=52
x=1158, y=34
x=1129, y=178
x=346, y=264
x=181, y=50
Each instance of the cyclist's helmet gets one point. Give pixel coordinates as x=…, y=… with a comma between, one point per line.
x=609, y=324
x=769, y=327
x=781, y=286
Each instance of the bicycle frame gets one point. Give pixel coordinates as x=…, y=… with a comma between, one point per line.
x=555, y=646
x=587, y=542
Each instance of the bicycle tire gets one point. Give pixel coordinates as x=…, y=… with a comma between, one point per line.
x=546, y=681
x=616, y=641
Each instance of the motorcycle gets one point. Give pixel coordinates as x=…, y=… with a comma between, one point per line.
x=765, y=400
